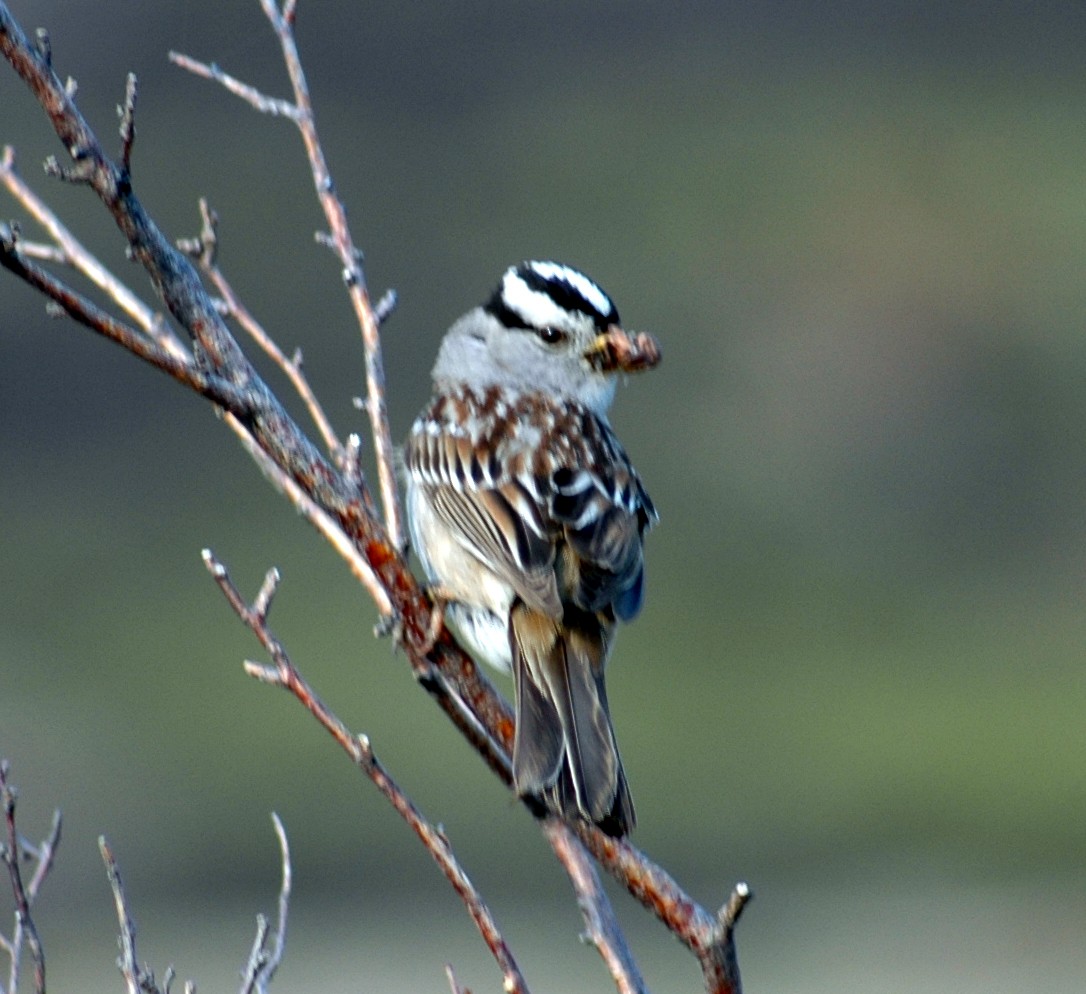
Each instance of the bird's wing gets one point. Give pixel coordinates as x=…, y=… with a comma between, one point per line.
x=494, y=517
x=559, y=523
x=603, y=509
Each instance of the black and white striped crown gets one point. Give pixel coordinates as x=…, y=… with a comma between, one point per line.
x=541, y=294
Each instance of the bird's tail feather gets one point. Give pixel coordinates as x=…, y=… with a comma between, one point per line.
x=564, y=749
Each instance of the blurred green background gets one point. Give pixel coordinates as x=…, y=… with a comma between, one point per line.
x=857, y=229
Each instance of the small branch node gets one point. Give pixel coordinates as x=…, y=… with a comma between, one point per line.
x=384, y=307
x=387, y=626
x=729, y=914
x=71, y=87
x=454, y=987
x=79, y=173
x=205, y=246
x=722, y=933
x=127, y=114
x=216, y=568
x=44, y=47
x=352, y=462
x=264, y=672
x=262, y=604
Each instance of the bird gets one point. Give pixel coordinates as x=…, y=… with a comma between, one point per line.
x=529, y=519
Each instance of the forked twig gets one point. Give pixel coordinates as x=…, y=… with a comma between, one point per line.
x=135, y=979
x=340, y=239
x=330, y=494
x=74, y=254
x=12, y=851
x=203, y=249
x=282, y=673
x=259, y=968
x=262, y=963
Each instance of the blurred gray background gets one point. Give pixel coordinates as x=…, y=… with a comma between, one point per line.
x=858, y=683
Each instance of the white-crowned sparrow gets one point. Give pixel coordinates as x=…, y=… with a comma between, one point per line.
x=528, y=519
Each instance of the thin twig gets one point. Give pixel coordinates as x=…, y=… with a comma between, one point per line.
x=325, y=523
x=445, y=671
x=203, y=247
x=301, y=113
x=250, y=94
x=282, y=673
x=127, y=114
x=76, y=255
x=702, y=933
x=11, y=853
x=454, y=987
x=602, y=929
x=135, y=979
x=165, y=344
x=262, y=963
x=81, y=310
x=350, y=257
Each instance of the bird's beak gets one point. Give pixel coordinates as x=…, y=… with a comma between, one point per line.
x=616, y=351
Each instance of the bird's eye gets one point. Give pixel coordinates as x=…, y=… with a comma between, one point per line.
x=551, y=335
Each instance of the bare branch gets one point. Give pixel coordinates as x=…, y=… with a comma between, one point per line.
x=75, y=255
x=688, y=921
x=204, y=249
x=334, y=501
x=45, y=854
x=135, y=979
x=252, y=96
x=282, y=673
x=325, y=523
x=301, y=113
x=262, y=964
x=127, y=114
x=12, y=851
x=603, y=930
x=81, y=310
x=454, y=987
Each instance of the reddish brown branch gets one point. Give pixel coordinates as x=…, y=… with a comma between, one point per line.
x=331, y=493
x=282, y=673
x=711, y=940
